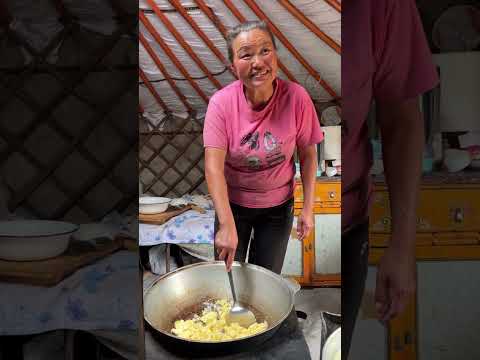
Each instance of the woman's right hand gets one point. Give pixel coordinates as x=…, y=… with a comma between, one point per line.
x=226, y=242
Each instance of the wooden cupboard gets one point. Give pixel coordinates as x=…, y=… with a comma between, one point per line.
x=448, y=269
x=317, y=260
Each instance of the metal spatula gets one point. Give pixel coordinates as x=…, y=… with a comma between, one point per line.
x=238, y=313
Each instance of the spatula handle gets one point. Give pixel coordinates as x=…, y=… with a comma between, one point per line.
x=230, y=278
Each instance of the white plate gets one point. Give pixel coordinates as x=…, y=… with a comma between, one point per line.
x=26, y=240
x=152, y=204
x=332, y=346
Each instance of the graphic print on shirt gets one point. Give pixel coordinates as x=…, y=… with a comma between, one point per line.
x=253, y=153
x=269, y=141
x=273, y=148
x=253, y=162
x=251, y=140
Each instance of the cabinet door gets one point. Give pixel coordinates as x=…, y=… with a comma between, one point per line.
x=370, y=337
x=328, y=245
x=448, y=310
x=293, y=262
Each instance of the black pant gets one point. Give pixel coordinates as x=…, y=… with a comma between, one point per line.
x=271, y=231
x=354, y=274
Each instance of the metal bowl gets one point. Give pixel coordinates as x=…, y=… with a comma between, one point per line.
x=267, y=294
x=27, y=240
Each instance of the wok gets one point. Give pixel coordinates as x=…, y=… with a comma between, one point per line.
x=181, y=293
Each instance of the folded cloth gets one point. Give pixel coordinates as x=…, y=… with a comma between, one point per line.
x=157, y=259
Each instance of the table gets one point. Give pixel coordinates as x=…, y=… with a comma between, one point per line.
x=100, y=296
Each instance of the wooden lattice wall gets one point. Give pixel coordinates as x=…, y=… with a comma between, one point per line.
x=68, y=118
x=171, y=159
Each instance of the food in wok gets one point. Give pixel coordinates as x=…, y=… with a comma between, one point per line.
x=211, y=324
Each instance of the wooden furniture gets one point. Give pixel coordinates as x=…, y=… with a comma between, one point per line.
x=448, y=234
x=162, y=218
x=50, y=272
x=317, y=260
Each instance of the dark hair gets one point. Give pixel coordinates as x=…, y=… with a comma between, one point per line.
x=245, y=27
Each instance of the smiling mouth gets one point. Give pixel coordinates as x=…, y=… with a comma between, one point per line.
x=260, y=75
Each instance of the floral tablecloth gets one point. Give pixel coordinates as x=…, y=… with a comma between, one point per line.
x=191, y=227
x=99, y=296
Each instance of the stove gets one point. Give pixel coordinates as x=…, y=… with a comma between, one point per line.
x=286, y=344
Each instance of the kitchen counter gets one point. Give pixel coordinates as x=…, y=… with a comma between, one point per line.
x=441, y=178
x=323, y=179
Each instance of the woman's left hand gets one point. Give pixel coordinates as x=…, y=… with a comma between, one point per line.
x=396, y=283
x=304, y=224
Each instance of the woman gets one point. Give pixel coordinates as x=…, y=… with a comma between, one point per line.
x=251, y=129
x=385, y=57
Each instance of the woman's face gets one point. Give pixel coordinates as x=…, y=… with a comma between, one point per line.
x=254, y=59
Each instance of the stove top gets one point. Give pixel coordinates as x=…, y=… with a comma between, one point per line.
x=286, y=344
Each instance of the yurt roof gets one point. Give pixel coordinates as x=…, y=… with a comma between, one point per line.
x=183, y=53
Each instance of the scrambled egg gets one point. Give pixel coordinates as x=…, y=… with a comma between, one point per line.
x=212, y=326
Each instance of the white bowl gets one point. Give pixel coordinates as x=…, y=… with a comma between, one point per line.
x=333, y=346
x=27, y=240
x=456, y=160
x=152, y=204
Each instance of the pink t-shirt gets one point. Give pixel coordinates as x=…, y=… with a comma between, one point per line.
x=385, y=56
x=259, y=166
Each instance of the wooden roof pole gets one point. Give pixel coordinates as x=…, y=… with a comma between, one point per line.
x=162, y=69
x=201, y=4
x=152, y=90
x=184, y=44
x=207, y=11
x=310, y=25
x=256, y=9
x=335, y=4
x=178, y=6
x=171, y=55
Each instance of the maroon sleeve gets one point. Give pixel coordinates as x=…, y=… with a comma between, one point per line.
x=405, y=67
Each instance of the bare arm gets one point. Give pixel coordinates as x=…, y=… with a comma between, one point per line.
x=401, y=126
x=226, y=239
x=217, y=185
x=402, y=132
x=308, y=170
